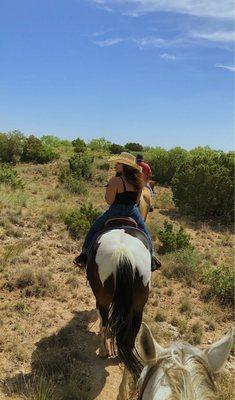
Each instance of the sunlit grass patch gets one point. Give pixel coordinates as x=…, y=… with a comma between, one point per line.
x=163, y=198
x=37, y=283
x=184, y=265
x=11, y=252
x=12, y=199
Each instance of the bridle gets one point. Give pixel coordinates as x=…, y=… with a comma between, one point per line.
x=147, y=378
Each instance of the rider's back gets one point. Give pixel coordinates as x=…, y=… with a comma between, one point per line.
x=126, y=193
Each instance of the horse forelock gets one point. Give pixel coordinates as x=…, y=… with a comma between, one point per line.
x=186, y=374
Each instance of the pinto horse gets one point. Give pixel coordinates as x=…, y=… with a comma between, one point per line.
x=118, y=271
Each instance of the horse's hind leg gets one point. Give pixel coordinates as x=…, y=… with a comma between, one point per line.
x=103, y=315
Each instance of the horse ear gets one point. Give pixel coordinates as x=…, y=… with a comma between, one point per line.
x=150, y=347
x=218, y=352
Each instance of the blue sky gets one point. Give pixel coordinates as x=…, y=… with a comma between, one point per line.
x=158, y=72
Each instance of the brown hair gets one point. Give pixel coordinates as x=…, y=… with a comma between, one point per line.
x=133, y=176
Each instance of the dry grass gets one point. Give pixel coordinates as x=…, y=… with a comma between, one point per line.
x=45, y=306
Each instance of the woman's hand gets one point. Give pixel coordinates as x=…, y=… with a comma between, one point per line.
x=111, y=190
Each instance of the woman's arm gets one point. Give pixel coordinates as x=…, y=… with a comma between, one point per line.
x=139, y=196
x=111, y=191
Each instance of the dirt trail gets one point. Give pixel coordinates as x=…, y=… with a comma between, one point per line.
x=56, y=323
x=106, y=373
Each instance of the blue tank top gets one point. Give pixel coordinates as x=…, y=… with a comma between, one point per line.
x=127, y=197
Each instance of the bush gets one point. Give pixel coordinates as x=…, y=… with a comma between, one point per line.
x=54, y=142
x=171, y=240
x=74, y=185
x=9, y=177
x=79, y=221
x=81, y=164
x=183, y=265
x=221, y=283
x=105, y=166
x=99, y=144
x=35, y=151
x=133, y=147
x=11, y=146
x=37, y=283
x=165, y=163
x=159, y=161
x=73, y=175
x=203, y=185
x=116, y=148
x=79, y=145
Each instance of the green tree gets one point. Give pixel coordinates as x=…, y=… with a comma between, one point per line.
x=11, y=146
x=115, y=148
x=35, y=151
x=81, y=165
x=133, y=147
x=204, y=184
x=79, y=145
x=99, y=144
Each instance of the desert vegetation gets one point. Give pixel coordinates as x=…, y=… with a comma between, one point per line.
x=50, y=192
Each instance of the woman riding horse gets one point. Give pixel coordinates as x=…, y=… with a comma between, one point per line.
x=122, y=194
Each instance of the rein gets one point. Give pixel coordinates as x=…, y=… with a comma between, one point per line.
x=147, y=378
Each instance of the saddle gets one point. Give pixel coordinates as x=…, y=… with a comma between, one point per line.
x=121, y=221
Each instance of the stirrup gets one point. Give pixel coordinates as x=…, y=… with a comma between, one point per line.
x=80, y=261
x=156, y=263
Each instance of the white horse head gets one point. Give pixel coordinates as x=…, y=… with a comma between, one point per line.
x=180, y=371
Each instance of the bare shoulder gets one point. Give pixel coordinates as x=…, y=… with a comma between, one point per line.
x=114, y=181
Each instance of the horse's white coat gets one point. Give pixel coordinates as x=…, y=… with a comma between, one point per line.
x=117, y=244
x=183, y=371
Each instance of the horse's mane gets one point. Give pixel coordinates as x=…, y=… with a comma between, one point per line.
x=189, y=377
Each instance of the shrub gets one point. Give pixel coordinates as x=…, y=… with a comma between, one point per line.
x=37, y=283
x=158, y=159
x=115, y=148
x=54, y=142
x=221, y=283
x=35, y=151
x=79, y=221
x=75, y=185
x=105, y=166
x=9, y=177
x=81, y=164
x=133, y=147
x=3, y=147
x=11, y=146
x=203, y=185
x=99, y=144
x=79, y=145
x=176, y=157
x=184, y=265
x=172, y=241
x=165, y=163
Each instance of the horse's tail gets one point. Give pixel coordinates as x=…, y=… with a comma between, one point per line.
x=123, y=323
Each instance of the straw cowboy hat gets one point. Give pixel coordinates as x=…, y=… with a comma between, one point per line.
x=127, y=159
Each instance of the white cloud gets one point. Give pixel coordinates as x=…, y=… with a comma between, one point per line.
x=221, y=9
x=217, y=36
x=150, y=41
x=230, y=68
x=166, y=56
x=109, y=42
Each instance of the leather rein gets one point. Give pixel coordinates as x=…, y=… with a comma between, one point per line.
x=147, y=378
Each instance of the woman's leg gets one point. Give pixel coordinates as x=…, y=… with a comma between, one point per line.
x=97, y=225
x=141, y=224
